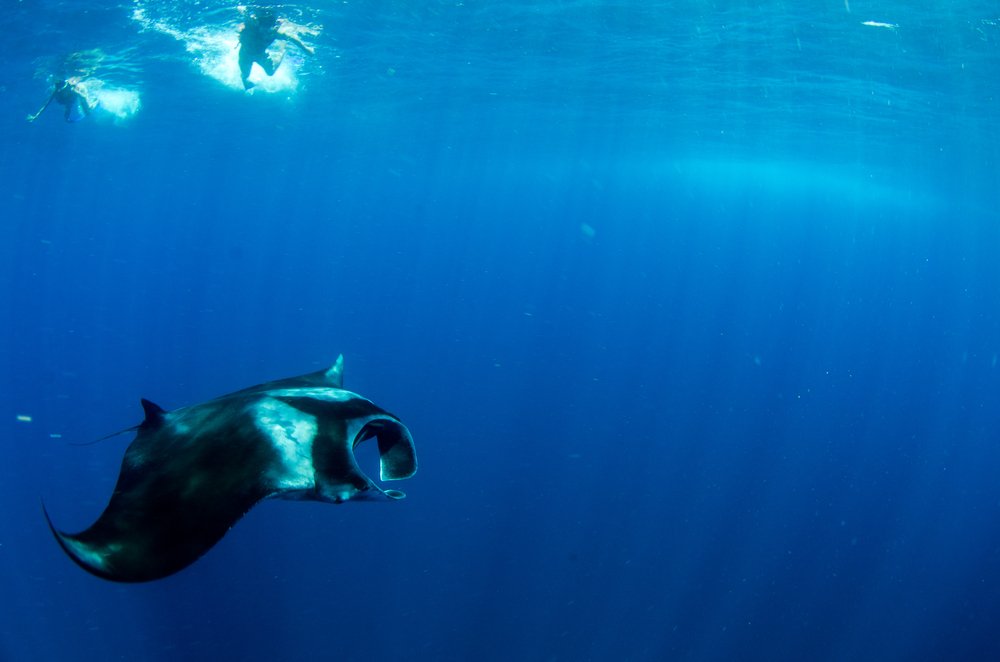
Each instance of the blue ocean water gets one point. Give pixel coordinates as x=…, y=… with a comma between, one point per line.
x=692, y=308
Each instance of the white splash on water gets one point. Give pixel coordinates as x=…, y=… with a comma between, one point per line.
x=215, y=52
x=115, y=103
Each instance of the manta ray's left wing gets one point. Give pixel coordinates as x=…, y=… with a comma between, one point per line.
x=185, y=480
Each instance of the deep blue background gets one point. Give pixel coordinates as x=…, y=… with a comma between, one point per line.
x=693, y=311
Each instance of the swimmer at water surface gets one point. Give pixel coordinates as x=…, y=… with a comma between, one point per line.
x=258, y=32
x=71, y=94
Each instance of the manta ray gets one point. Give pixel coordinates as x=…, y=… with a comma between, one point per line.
x=190, y=474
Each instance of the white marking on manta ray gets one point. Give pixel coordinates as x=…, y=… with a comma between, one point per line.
x=89, y=553
x=319, y=393
x=291, y=432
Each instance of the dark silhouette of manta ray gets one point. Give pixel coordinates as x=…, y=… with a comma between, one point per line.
x=191, y=473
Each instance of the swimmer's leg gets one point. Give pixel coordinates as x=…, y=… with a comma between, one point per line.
x=76, y=109
x=88, y=104
x=75, y=112
x=271, y=63
x=246, y=64
x=278, y=59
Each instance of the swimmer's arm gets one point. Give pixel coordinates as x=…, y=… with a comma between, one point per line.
x=289, y=36
x=32, y=118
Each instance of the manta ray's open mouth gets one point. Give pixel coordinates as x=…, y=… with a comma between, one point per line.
x=397, y=455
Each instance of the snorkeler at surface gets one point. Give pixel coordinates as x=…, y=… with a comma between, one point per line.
x=260, y=30
x=71, y=94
